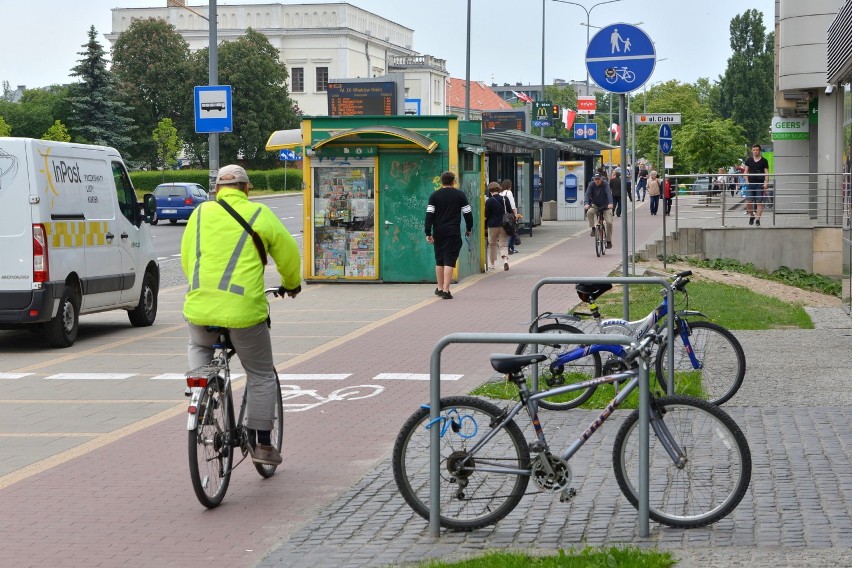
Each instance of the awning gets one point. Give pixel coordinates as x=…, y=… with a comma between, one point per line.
x=528, y=141
x=376, y=134
x=284, y=139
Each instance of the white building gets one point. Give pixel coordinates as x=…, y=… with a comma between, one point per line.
x=319, y=43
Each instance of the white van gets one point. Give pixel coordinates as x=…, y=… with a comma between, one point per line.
x=73, y=239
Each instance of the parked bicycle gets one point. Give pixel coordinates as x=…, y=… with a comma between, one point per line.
x=706, y=354
x=700, y=461
x=214, y=435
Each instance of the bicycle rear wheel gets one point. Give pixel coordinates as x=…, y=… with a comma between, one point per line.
x=472, y=495
x=210, y=451
x=277, y=433
x=721, y=363
x=714, y=471
x=573, y=372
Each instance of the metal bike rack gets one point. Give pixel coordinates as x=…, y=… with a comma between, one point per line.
x=610, y=280
x=536, y=339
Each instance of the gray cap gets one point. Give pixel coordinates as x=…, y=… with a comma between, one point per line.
x=597, y=175
x=232, y=174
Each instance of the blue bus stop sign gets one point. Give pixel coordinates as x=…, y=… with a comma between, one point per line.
x=213, y=109
x=620, y=58
x=665, y=138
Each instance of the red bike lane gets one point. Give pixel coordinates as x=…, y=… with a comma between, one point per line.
x=130, y=503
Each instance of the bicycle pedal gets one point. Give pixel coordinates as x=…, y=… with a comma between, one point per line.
x=187, y=392
x=567, y=494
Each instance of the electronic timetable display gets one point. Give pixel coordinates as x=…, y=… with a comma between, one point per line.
x=359, y=99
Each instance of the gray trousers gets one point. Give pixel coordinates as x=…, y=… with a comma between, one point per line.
x=254, y=348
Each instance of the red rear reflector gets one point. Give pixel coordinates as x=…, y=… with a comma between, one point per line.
x=192, y=410
x=193, y=382
x=33, y=313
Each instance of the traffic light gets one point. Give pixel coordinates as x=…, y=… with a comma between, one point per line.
x=555, y=112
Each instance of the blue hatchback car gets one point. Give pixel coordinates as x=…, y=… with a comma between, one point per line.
x=177, y=201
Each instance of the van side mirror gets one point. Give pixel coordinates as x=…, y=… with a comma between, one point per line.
x=150, y=208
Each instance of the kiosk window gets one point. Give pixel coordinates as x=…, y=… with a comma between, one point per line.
x=344, y=232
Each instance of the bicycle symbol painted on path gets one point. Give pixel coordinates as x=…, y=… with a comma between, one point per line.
x=291, y=392
x=613, y=74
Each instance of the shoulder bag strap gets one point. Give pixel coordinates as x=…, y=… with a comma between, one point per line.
x=258, y=242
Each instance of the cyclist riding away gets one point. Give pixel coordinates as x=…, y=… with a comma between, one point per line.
x=598, y=196
x=223, y=253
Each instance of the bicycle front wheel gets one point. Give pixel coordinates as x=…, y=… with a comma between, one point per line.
x=600, y=242
x=210, y=451
x=473, y=491
x=709, y=479
x=720, y=367
x=573, y=372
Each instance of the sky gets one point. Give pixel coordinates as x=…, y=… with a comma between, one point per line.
x=42, y=39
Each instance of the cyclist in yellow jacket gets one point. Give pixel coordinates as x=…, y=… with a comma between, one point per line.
x=226, y=289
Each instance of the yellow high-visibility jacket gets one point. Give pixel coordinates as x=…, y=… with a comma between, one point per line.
x=223, y=266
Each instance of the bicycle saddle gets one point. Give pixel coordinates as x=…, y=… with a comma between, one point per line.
x=511, y=364
x=590, y=292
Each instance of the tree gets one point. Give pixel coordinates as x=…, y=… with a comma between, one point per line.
x=5, y=129
x=57, y=132
x=149, y=61
x=166, y=142
x=37, y=110
x=98, y=116
x=261, y=103
x=747, y=87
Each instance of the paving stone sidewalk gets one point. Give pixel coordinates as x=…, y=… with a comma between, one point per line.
x=794, y=408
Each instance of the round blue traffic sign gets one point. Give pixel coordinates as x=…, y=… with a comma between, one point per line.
x=620, y=58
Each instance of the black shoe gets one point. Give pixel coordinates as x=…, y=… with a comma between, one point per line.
x=609, y=244
x=757, y=222
x=592, y=234
x=446, y=296
x=438, y=291
x=751, y=220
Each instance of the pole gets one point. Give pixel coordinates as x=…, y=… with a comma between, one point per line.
x=543, y=97
x=467, y=69
x=622, y=118
x=635, y=193
x=213, y=79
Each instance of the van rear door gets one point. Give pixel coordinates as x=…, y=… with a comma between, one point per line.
x=16, y=232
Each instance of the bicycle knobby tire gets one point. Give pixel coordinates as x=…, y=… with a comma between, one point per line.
x=470, y=498
x=713, y=477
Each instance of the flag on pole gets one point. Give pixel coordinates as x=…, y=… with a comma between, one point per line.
x=568, y=117
x=616, y=131
x=523, y=97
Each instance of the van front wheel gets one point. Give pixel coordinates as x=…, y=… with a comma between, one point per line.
x=61, y=331
x=145, y=312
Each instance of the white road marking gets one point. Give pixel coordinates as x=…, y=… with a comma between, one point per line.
x=182, y=376
x=90, y=376
x=12, y=376
x=413, y=377
x=314, y=377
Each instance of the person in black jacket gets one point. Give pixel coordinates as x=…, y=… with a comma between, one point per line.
x=496, y=207
x=598, y=196
x=443, y=229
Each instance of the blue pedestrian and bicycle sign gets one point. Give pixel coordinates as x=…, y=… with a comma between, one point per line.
x=620, y=58
x=665, y=138
x=213, y=109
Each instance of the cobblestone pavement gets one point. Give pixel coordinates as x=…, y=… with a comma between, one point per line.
x=794, y=409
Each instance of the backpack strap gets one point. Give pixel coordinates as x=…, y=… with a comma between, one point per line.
x=258, y=242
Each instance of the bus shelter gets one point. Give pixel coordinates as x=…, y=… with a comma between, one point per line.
x=367, y=183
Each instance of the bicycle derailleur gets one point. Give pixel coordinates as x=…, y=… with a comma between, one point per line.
x=552, y=473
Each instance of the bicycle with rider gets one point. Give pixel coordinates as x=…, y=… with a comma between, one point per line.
x=598, y=196
x=223, y=254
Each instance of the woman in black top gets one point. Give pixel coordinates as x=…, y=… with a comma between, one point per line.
x=498, y=240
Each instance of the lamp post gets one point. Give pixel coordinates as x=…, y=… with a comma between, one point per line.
x=588, y=16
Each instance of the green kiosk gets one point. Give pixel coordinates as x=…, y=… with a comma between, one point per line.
x=367, y=183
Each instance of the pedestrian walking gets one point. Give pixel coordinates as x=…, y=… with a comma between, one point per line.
x=667, y=196
x=757, y=167
x=615, y=188
x=496, y=207
x=443, y=229
x=642, y=182
x=506, y=191
x=654, y=192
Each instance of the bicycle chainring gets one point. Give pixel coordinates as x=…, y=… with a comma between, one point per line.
x=556, y=481
x=614, y=365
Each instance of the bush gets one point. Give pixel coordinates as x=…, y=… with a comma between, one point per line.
x=270, y=180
